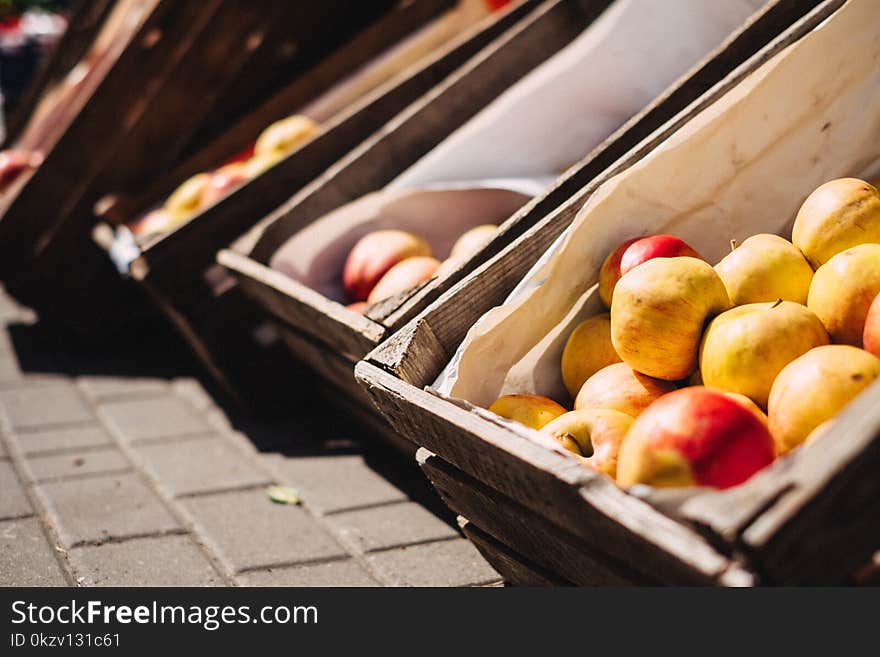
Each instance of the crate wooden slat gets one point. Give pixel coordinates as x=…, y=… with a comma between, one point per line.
x=814, y=521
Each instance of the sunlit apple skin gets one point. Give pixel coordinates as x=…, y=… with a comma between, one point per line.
x=694, y=437
x=186, y=200
x=659, y=311
x=533, y=411
x=472, y=241
x=285, y=136
x=404, y=275
x=744, y=348
x=765, y=268
x=655, y=246
x=374, y=254
x=619, y=388
x=223, y=181
x=587, y=350
x=814, y=388
x=842, y=291
x=871, y=335
x=749, y=405
x=609, y=273
x=838, y=215
x=595, y=435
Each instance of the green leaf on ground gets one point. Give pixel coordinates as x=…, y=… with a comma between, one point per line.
x=283, y=495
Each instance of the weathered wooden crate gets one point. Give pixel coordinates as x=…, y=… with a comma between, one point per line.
x=329, y=337
x=178, y=268
x=176, y=68
x=541, y=518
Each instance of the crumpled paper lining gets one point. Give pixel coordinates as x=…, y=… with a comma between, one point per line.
x=743, y=166
x=525, y=138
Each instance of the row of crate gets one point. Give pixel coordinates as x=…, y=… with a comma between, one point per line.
x=535, y=513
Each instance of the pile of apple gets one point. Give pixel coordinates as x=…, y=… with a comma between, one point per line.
x=704, y=375
x=205, y=189
x=387, y=262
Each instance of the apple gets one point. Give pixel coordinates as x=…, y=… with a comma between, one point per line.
x=694, y=437
x=837, y=216
x=609, y=273
x=743, y=349
x=531, y=410
x=764, y=268
x=871, y=336
x=632, y=253
x=152, y=223
x=620, y=388
x=285, y=136
x=814, y=388
x=658, y=313
x=749, y=405
x=223, y=181
x=358, y=307
x=842, y=291
x=186, y=200
x=472, y=241
x=14, y=162
x=587, y=350
x=374, y=254
x=594, y=434
x=404, y=275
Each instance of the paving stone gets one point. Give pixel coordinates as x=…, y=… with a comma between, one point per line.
x=154, y=561
x=155, y=417
x=90, y=462
x=64, y=438
x=193, y=392
x=390, y=526
x=333, y=483
x=247, y=530
x=10, y=371
x=199, y=465
x=334, y=573
x=109, y=387
x=26, y=557
x=446, y=563
x=39, y=405
x=13, y=501
x=99, y=508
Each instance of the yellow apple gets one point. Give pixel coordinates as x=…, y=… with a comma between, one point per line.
x=842, y=291
x=619, y=388
x=285, y=136
x=765, y=268
x=744, y=348
x=587, y=351
x=594, y=434
x=658, y=312
x=838, y=215
x=531, y=410
x=814, y=388
x=186, y=200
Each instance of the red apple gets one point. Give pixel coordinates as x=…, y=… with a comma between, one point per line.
x=609, y=274
x=633, y=253
x=223, y=181
x=402, y=276
x=694, y=437
x=13, y=163
x=376, y=253
x=871, y=337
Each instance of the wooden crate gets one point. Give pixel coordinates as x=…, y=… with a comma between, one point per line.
x=336, y=333
x=134, y=116
x=178, y=269
x=814, y=521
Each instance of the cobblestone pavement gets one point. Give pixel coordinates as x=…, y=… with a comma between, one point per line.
x=119, y=469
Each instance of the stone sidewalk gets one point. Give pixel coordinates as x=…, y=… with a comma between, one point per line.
x=118, y=468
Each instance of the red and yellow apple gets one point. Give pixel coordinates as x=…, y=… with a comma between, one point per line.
x=402, y=276
x=472, y=241
x=842, y=291
x=838, y=215
x=744, y=348
x=530, y=410
x=186, y=200
x=765, y=268
x=223, y=181
x=619, y=388
x=587, y=350
x=871, y=335
x=376, y=253
x=658, y=313
x=814, y=388
x=694, y=437
x=594, y=434
x=609, y=273
x=284, y=136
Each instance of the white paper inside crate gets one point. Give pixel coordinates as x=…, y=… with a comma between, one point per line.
x=742, y=166
x=524, y=139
